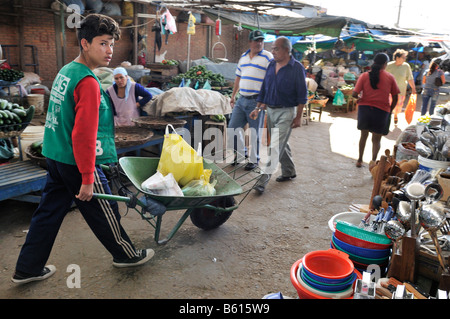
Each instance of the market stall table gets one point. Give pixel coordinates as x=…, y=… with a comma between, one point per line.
x=18, y=180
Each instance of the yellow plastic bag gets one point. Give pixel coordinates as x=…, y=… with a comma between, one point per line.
x=191, y=24
x=180, y=159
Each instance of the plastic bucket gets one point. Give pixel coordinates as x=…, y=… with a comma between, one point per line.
x=38, y=101
x=429, y=164
x=30, y=135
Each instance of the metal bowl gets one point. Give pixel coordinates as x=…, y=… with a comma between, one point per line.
x=394, y=230
x=432, y=216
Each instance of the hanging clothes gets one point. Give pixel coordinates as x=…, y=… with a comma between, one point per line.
x=170, y=21
x=168, y=25
x=157, y=29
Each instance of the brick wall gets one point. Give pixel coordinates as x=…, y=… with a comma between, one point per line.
x=39, y=29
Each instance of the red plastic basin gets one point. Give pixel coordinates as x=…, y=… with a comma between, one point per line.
x=359, y=242
x=304, y=293
x=331, y=263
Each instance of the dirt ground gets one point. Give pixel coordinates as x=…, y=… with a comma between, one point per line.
x=247, y=257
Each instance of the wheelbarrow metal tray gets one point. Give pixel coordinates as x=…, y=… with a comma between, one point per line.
x=138, y=169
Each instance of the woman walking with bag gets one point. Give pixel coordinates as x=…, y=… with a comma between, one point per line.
x=433, y=79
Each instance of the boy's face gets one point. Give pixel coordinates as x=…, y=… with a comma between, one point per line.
x=100, y=51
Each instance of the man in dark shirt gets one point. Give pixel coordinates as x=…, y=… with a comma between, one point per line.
x=284, y=95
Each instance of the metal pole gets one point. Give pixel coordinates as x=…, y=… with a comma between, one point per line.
x=399, y=13
x=189, y=52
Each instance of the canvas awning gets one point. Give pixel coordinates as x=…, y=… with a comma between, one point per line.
x=294, y=26
x=361, y=42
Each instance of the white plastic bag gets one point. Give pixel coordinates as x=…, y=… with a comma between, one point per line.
x=159, y=184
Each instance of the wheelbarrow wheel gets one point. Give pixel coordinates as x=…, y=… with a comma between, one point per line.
x=208, y=219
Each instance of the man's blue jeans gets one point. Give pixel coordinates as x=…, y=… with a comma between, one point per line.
x=239, y=118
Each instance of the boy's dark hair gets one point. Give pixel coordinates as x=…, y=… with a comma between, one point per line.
x=95, y=25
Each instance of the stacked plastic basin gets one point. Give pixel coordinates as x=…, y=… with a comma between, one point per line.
x=363, y=247
x=324, y=274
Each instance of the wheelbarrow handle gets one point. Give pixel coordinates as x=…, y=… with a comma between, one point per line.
x=112, y=197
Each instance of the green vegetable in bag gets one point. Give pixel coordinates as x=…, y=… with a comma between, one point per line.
x=200, y=187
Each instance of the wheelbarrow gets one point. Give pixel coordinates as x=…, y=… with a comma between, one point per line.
x=205, y=212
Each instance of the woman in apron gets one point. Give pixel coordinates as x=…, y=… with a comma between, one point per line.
x=128, y=98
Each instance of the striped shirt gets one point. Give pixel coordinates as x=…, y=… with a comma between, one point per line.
x=252, y=71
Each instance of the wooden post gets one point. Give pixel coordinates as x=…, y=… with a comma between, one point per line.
x=136, y=35
x=378, y=179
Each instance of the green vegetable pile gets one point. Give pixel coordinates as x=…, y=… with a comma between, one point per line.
x=36, y=148
x=170, y=62
x=217, y=118
x=10, y=75
x=201, y=74
x=14, y=117
x=347, y=87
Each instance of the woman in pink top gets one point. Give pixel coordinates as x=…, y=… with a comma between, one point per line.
x=374, y=109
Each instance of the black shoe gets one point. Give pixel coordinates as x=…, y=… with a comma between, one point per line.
x=143, y=256
x=250, y=166
x=285, y=178
x=22, y=279
x=260, y=189
x=235, y=160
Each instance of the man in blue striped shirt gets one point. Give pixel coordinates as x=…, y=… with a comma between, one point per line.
x=250, y=73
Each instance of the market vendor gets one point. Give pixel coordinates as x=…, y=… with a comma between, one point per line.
x=128, y=98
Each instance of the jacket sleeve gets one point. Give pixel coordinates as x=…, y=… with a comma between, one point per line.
x=84, y=134
x=145, y=95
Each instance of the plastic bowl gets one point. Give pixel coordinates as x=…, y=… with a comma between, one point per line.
x=331, y=264
x=362, y=260
x=327, y=294
x=327, y=281
x=359, y=242
x=308, y=293
x=363, y=267
x=350, y=217
x=362, y=252
x=327, y=287
x=360, y=233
